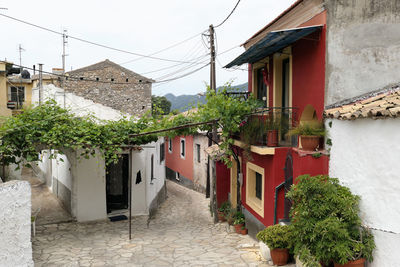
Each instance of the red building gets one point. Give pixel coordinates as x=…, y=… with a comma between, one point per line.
x=286, y=67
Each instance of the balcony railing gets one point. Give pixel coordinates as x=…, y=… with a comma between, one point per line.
x=240, y=95
x=269, y=127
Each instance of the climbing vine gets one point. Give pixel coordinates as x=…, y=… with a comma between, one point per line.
x=49, y=126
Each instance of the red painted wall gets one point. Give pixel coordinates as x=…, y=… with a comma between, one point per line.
x=223, y=182
x=274, y=175
x=308, y=69
x=174, y=161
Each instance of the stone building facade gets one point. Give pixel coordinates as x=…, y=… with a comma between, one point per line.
x=114, y=86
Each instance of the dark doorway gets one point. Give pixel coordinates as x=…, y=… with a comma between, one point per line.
x=288, y=182
x=117, y=178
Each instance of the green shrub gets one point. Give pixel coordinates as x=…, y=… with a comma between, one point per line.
x=276, y=236
x=325, y=221
x=225, y=207
x=239, y=220
x=309, y=129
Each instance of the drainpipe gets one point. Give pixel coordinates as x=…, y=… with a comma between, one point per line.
x=276, y=198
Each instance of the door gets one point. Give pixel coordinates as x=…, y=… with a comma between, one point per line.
x=233, y=184
x=117, y=178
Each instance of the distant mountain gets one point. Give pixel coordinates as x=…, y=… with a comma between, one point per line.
x=184, y=102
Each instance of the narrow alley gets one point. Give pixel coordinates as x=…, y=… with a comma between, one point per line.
x=180, y=234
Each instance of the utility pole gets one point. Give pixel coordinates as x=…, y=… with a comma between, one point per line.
x=20, y=50
x=213, y=196
x=40, y=83
x=65, y=41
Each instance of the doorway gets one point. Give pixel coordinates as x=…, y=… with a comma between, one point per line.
x=117, y=179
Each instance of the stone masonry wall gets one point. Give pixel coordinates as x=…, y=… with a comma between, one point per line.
x=126, y=93
x=15, y=221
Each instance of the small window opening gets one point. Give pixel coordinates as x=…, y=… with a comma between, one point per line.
x=258, y=185
x=127, y=80
x=140, y=81
x=112, y=79
x=198, y=152
x=81, y=78
x=97, y=78
x=143, y=107
x=182, y=148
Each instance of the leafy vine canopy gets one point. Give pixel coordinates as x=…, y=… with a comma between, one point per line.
x=49, y=126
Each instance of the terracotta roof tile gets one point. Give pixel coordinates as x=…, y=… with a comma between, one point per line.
x=380, y=106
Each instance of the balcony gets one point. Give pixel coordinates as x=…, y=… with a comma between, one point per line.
x=267, y=129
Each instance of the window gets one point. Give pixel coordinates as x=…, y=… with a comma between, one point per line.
x=255, y=188
x=127, y=80
x=261, y=86
x=162, y=152
x=170, y=145
x=182, y=148
x=198, y=152
x=258, y=186
x=17, y=94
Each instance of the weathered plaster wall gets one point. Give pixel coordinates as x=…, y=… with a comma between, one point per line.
x=88, y=187
x=200, y=168
x=78, y=105
x=364, y=156
x=363, y=47
x=15, y=221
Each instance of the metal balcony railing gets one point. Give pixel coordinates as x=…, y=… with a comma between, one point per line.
x=269, y=127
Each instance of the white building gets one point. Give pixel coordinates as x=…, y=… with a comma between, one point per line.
x=365, y=156
x=87, y=189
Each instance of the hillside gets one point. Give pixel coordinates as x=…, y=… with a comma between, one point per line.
x=184, y=102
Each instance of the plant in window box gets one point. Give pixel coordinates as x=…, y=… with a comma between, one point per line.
x=310, y=133
x=278, y=238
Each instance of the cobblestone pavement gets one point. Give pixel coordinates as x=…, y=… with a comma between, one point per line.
x=180, y=234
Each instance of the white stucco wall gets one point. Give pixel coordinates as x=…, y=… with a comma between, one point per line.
x=365, y=156
x=78, y=105
x=88, y=187
x=200, y=168
x=15, y=221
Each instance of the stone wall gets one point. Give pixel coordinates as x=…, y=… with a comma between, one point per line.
x=127, y=92
x=363, y=47
x=200, y=168
x=15, y=221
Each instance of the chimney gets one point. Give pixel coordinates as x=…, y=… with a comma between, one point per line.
x=58, y=71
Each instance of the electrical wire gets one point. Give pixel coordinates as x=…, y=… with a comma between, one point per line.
x=184, y=75
x=93, y=43
x=228, y=15
x=165, y=49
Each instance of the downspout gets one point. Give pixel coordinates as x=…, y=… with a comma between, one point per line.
x=276, y=198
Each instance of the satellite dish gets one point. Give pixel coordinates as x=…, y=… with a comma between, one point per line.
x=25, y=74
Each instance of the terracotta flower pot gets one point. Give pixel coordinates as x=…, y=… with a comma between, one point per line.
x=309, y=142
x=280, y=256
x=221, y=216
x=238, y=227
x=243, y=231
x=272, y=138
x=356, y=263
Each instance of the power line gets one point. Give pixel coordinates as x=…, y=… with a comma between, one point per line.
x=228, y=15
x=184, y=75
x=162, y=50
x=94, y=43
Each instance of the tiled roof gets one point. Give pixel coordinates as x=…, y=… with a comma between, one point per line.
x=382, y=105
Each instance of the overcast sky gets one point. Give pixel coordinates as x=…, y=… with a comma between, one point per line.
x=143, y=27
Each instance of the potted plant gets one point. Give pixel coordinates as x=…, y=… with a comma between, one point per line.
x=272, y=127
x=252, y=131
x=222, y=210
x=278, y=238
x=310, y=133
x=239, y=223
x=326, y=223
x=230, y=216
x=243, y=230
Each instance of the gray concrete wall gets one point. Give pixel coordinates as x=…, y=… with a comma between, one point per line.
x=363, y=47
x=15, y=221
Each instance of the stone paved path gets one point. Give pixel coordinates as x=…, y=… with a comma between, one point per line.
x=180, y=234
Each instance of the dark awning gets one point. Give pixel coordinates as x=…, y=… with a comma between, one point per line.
x=271, y=43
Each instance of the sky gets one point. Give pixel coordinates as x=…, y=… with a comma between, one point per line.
x=138, y=26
